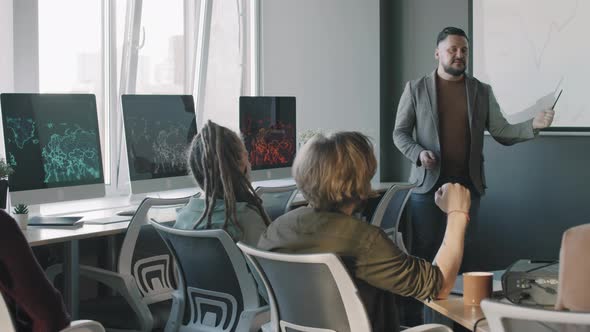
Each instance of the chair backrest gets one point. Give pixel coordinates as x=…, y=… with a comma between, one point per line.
x=573, y=292
x=504, y=317
x=215, y=277
x=311, y=292
x=5, y=318
x=389, y=211
x=145, y=256
x=276, y=200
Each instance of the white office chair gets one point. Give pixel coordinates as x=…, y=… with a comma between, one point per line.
x=313, y=293
x=388, y=213
x=6, y=324
x=277, y=201
x=504, y=317
x=144, y=280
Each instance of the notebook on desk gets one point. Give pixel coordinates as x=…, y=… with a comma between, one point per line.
x=496, y=283
x=56, y=222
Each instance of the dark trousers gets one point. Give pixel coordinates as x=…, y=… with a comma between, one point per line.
x=428, y=229
x=429, y=224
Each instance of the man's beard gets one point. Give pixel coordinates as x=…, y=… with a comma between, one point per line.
x=454, y=72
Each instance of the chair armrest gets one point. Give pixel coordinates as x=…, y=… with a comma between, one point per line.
x=84, y=326
x=53, y=271
x=429, y=328
x=112, y=279
x=253, y=319
x=124, y=285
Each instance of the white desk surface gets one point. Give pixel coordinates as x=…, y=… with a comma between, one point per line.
x=38, y=236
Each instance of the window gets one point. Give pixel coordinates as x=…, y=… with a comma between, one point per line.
x=223, y=82
x=109, y=47
x=160, y=62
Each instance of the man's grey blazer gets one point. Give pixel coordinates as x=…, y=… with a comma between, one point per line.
x=416, y=128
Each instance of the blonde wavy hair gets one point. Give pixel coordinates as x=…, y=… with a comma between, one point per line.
x=335, y=171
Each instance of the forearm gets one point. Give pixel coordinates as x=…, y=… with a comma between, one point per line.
x=508, y=134
x=450, y=254
x=504, y=132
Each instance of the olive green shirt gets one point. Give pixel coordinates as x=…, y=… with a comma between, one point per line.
x=375, y=257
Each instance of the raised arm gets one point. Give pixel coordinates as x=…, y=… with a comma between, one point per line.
x=455, y=201
x=502, y=131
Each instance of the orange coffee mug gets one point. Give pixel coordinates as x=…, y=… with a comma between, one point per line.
x=476, y=287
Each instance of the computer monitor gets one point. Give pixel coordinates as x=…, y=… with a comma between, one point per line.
x=52, y=142
x=158, y=132
x=268, y=128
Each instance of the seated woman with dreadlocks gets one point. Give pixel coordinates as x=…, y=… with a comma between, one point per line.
x=219, y=162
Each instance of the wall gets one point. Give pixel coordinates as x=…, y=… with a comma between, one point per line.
x=6, y=43
x=26, y=46
x=536, y=190
x=326, y=54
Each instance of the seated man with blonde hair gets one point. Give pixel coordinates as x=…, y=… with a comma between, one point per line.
x=334, y=173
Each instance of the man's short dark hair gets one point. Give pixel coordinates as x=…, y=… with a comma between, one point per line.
x=450, y=31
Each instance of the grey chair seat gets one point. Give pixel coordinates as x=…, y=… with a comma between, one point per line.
x=115, y=312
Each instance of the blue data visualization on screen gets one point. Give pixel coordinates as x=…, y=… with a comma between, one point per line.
x=51, y=140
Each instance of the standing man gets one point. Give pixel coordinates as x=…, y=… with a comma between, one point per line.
x=448, y=111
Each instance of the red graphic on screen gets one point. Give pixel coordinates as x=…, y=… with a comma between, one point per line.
x=269, y=144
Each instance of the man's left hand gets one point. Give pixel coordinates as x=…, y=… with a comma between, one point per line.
x=543, y=119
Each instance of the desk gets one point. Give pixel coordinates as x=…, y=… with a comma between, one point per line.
x=38, y=236
x=454, y=309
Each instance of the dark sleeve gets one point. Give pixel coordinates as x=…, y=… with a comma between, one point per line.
x=23, y=280
x=385, y=266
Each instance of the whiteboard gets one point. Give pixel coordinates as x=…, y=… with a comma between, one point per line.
x=529, y=49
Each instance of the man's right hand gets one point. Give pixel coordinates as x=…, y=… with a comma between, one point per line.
x=453, y=197
x=428, y=159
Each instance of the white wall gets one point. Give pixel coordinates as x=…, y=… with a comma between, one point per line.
x=7, y=45
x=326, y=54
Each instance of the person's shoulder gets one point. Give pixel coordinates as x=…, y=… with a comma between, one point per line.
x=479, y=83
x=419, y=81
x=335, y=220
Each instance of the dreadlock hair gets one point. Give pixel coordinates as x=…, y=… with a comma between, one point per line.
x=215, y=161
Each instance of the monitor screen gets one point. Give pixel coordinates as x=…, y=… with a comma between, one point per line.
x=267, y=125
x=51, y=141
x=158, y=132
